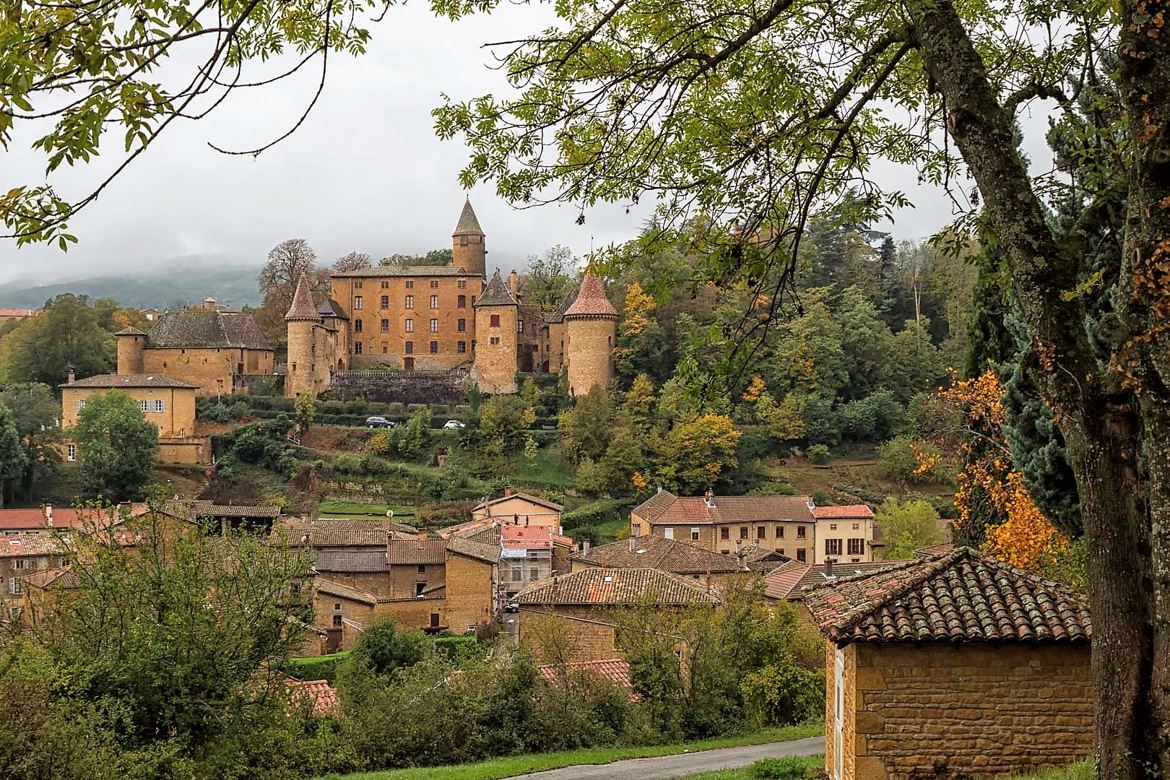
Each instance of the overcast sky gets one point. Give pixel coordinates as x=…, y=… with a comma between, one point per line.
x=365, y=172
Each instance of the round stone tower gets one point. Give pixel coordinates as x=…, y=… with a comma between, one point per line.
x=302, y=321
x=590, y=336
x=468, y=250
x=131, y=351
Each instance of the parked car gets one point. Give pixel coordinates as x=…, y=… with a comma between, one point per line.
x=512, y=606
x=454, y=425
x=379, y=422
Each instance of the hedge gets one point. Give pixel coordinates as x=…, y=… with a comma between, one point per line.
x=318, y=667
x=598, y=512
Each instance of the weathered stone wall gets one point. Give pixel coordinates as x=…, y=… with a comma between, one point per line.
x=130, y=351
x=968, y=710
x=411, y=387
x=403, y=578
x=556, y=347
x=589, y=343
x=469, y=592
x=191, y=450
x=214, y=370
x=591, y=631
x=299, y=378
x=469, y=252
x=495, y=349
x=414, y=612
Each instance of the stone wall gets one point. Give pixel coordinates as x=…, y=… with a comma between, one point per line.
x=214, y=369
x=189, y=450
x=965, y=711
x=411, y=387
x=589, y=343
x=496, y=349
x=426, y=612
x=592, y=634
x=470, y=592
x=403, y=578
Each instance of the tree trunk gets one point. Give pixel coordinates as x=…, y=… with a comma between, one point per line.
x=1100, y=421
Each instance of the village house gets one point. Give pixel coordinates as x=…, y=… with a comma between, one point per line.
x=8, y=315
x=474, y=593
x=953, y=665
x=47, y=518
x=518, y=509
x=531, y=553
x=166, y=402
x=584, y=605
x=343, y=612
x=789, y=581
x=669, y=555
x=615, y=671
x=21, y=556
x=43, y=591
x=844, y=533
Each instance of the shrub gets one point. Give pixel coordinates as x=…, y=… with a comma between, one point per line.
x=819, y=455
x=597, y=513
x=906, y=459
x=785, y=768
x=321, y=667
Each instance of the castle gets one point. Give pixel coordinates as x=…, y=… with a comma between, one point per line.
x=443, y=318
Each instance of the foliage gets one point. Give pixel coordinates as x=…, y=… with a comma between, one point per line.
x=908, y=525
x=503, y=423
x=411, y=440
x=304, y=412
x=819, y=455
x=383, y=648
x=115, y=447
x=36, y=412
x=67, y=334
x=14, y=459
x=696, y=453
x=550, y=278
x=910, y=460
x=587, y=426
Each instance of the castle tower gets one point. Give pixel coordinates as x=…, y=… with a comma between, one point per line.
x=131, y=351
x=496, y=317
x=302, y=320
x=468, y=250
x=590, y=336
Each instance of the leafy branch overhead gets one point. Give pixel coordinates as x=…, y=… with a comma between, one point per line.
x=86, y=74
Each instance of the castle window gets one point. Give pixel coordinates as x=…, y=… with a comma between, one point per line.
x=434, y=326
x=357, y=301
x=410, y=301
x=357, y=284
x=357, y=326
x=409, y=347
x=495, y=340
x=434, y=284
x=385, y=326
x=461, y=326
x=357, y=348
x=495, y=321
x=434, y=301
x=462, y=302
x=385, y=285
x=520, y=326
x=385, y=302
x=410, y=326
x=434, y=347
x=70, y=452
x=779, y=532
x=158, y=405
x=410, y=284
x=461, y=347
x=462, y=284
x=463, y=241
x=385, y=349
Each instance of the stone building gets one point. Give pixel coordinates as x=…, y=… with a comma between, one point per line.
x=519, y=509
x=953, y=666
x=583, y=606
x=20, y=557
x=213, y=349
x=844, y=534
x=669, y=555
x=447, y=319
x=166, y=402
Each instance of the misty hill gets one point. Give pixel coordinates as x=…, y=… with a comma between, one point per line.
x=168, y=287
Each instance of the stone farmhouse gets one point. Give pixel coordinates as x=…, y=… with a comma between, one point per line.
x=787, y=525
x=953, y=665
x=584, y=605
x=447, y=319
x=21, y=556
x=668, y=555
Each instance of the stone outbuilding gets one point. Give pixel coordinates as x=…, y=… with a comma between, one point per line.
x=953, y=666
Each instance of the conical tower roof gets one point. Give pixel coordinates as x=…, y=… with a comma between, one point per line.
x=468, y=223
x=302, y=303
x=591, y=300
x=496, y=293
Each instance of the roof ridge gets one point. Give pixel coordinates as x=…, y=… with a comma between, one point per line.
x=850, y=618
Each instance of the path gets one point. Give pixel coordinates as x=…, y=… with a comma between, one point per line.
x=683, y=764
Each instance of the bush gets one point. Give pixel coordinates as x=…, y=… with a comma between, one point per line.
x=321, y=667
x=819, y=455
x=786, y=768
x=597, y=513
x=906, y=459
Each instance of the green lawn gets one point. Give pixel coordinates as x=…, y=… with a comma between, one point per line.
x=768, y=769
x=607, y=532
x=518, y=765
x=351, y=508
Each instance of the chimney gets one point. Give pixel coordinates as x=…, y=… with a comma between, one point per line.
x=709, y=498
x=811, y=504
x=828, y=567
x=49, y=515
x=507, y=492
x=585, y=548
x=633, y=543
x=514, y=283
x=72, y=376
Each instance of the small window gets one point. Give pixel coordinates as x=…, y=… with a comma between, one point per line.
x=494, y=340
x=461, y=326
x=434, y=326
x=385, y=349
x=337, y=621
x=461, y=347
x=18, y=563
x=434, y=284
x=410, y=284
x=856, y=526
x=694, y=534
x=857, y=547
x=410, y=326
x=800, y=555
x=832, y=547
x=410, y=301
x=779, y=532
x=385, y=326
x=357, y=348
x=385, y=301
x=495, y=321
x=419, y=587
x=158, y=404
x=461, y=284
x=725, y=533
x=357, y=301
x=434, y=301
x=80, y=404
x=534, y=573
x=800, y=532
x=668, y=533
x=409, y=347
x=520, y=326
x=517, y=575
x=14, y=586
x=357, y=326
x=743, y=532
x=761, y=532
x=434, y=347
x=70, y=452
x=461, y=302
x=357, y=284
x=385, y=285
x=832, y=526
x=422, y=568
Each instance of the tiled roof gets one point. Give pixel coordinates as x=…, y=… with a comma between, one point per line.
x=559, y=314
x=30, y=544
x=416, y=551
x=340, y=532
x=130, y=380
x=331, y=308
x=17, y=312
x=366, y=561
x=130, y=332
x=761, y=559
x=616, y=670
x=322, y=695
x=345, y=591
x=851, y=512
x=938, y=549
x=591, y=300
x=64, y=578
x=597, y=587
x=403, y=270
x=657, y=552
x=667, y=509
x=526, y=537
x=199, y=328
x=484, y=552
x=959, y=597
x=209, y=509
x=468, y=223
x=527, y=497
x=790, y=580
x=302, y=307
x=36, y=519
x=496, y=293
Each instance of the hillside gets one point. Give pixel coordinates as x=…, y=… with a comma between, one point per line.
x=161, y=287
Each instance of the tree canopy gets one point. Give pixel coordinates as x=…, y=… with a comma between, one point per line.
x=115, y=447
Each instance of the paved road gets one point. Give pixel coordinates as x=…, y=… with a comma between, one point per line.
x=684, y=764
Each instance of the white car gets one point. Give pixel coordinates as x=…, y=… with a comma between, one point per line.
x=454, y=425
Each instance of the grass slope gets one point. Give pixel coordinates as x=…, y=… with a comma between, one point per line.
x=510, y=766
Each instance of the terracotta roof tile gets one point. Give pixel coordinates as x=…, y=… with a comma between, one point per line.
x=591, y=300
x=367, y=561
x=496, y=293
x=64, y=578
x=484, y=552
x=526, y=537
x=339, y=532
x=345, y=591
x=616, y=587
x=790, y=580
x=959, y=597
x=468, y=223
x=851, y=512
x=403, y=270
x=30, y=544
x=938, y=549
x=130, y=380
x=302, y=307
x=616, y=670
x=416, y=552
x=526, y=496
x=657, y=552
x=668, y=509
x=322, y=695
x=199, y=328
